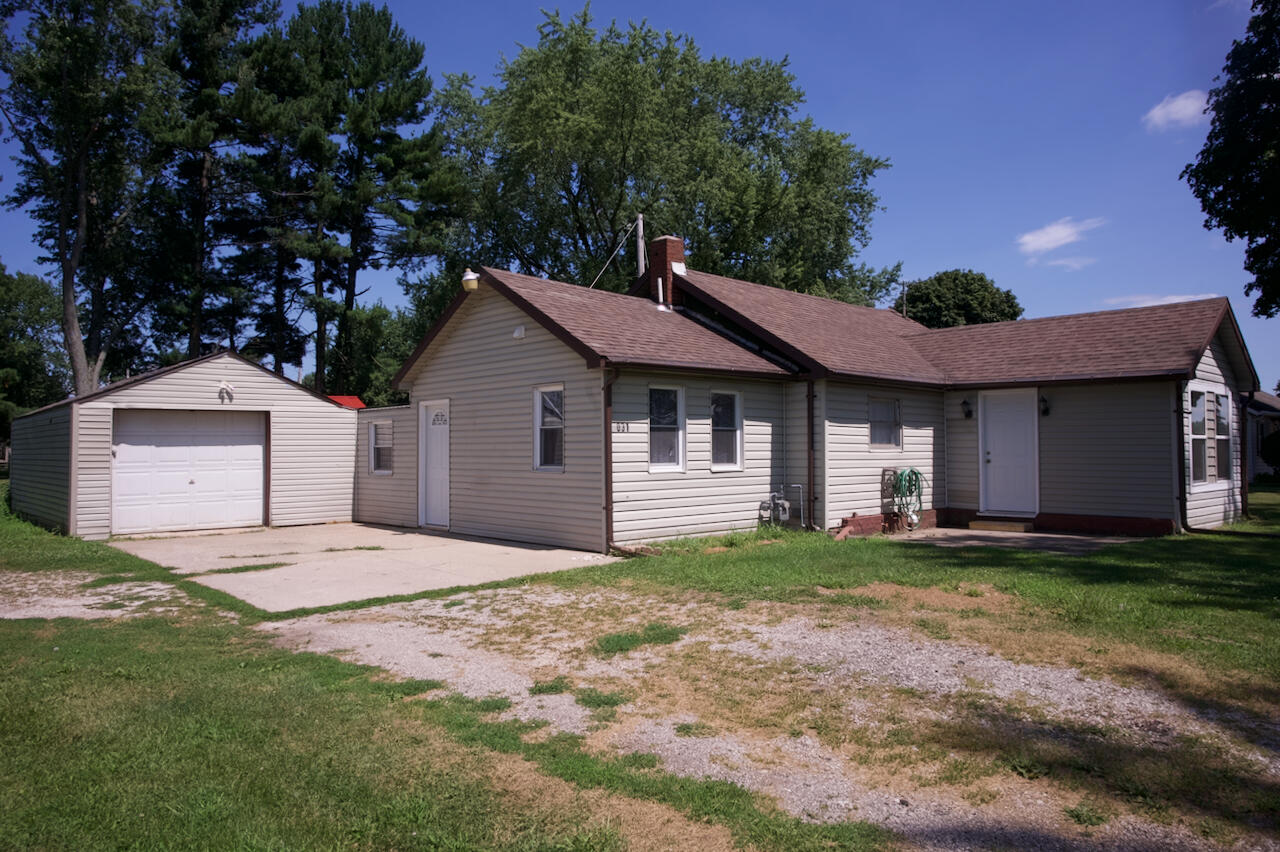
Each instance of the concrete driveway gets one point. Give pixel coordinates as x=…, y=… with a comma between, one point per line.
x=330, y=564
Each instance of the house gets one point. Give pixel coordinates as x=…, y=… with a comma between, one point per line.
x=1263, y=420
x=215, y=442
x=347, y=401
x=552, y=413
x=556, y=414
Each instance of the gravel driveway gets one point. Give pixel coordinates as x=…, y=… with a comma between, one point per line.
x=865, y=676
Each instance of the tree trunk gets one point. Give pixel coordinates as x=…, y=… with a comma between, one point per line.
x=279, y=322
x=343, y=371
x=82, y=378
x=322, y=336
x=200, y=215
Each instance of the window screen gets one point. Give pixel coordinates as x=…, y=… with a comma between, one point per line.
x=550, y=427
x=382, y=445
x=664, y=427
x=724, y=429
x=886, y=426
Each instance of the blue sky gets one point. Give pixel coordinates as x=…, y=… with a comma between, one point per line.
x=1039, y=143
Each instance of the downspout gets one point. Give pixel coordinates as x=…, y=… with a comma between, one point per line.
x=606, y=393
x=1179, y=389
x=1243, y=425
x=813, y=497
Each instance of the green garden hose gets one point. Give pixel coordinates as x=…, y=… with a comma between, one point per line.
x=908, y=488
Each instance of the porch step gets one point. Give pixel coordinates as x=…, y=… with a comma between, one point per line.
x=997, y=525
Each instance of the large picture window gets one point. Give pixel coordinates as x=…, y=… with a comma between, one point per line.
x=886, y=423
x=726, y=430
x=1210, y=435
x=548, y=427
x=666, y=429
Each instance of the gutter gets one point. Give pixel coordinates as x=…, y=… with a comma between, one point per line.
x=606, y=397
x=1180, y=413
x=1243, y=424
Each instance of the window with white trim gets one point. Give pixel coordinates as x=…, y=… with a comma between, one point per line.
x=381, y=447
x=726, y=430
x=886, y=423
x=1209, y=408
x=548, y=427
x=1222, y=435
x=666, y=428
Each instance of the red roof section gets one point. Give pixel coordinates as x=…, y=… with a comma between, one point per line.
x=1162, y=340
x=623, y=329
x=836, y=336
x=348, y=401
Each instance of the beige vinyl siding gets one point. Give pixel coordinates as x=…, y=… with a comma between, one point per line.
x=39, y=483
x=855, y=468
x=1213, y=504
x=648, y=506
x=1107, y=449
x=488, y=376
x=311, y=441
x=796, y=447
x=390, y=498
x=962, y=451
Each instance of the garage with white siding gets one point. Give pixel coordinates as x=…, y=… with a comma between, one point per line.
x=213, y=443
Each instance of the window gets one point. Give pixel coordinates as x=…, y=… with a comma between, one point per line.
x=381, y=455
x=726, y=430
x=1199, y=439
x=886, y=424
x=1222, y=433
x=666, y=429
x=548, y=431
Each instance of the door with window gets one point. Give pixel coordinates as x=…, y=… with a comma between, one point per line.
x=433, y=464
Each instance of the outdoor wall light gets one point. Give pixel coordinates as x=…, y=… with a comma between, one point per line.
x=966, y=409
x=1044, y=407
x=470, y=280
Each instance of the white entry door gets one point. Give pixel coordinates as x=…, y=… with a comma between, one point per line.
x=433, y=464
x=1010, y=463
x=186, y=470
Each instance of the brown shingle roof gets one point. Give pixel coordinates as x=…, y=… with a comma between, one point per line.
x=829, y=335
x=1136, y=342
x=624, y=329
x=1265, y=403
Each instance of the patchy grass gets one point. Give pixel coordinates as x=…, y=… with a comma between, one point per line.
x=594, y=699
x=654, y=633
x=1086, y=813
x=694, y=729
x=556, y=686
x=243, y=569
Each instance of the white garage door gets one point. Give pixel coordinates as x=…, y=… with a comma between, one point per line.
x=186, y=470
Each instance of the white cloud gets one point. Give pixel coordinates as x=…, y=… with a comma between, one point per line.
x=1145, y=300
x=1056, y=235
x=1073, y=263
x=1184, y=110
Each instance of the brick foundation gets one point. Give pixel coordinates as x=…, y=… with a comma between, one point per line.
x=1051, y=522
x=889, y=522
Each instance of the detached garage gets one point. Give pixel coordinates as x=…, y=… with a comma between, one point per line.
x=213, y=443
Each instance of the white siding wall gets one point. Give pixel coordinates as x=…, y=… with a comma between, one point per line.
x=962, y=451
x=388, y=498
x=1107, y=449
x=854, y=469
x=488, y=377
x=39, y=483
x=697, y=501
x=1214, y=505
x=312, y=441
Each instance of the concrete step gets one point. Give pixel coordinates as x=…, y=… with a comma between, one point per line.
x=998, y=525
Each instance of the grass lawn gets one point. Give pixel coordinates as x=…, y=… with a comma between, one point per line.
x=188, y=728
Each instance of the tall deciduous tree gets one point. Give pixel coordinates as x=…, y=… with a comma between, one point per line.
x=1236, y=176
x=586, y=129
x=33, y=366
x=957, y=297
x=80, y=77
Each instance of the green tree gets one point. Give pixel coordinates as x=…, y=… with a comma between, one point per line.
x=1236, y=176
x=957, y=297
x=587, y=129
x=382, y=340
x=80, y=77
x=33, y=367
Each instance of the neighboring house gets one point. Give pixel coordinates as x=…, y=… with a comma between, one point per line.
x=1263, y=420
x=551, y=413
x=555, y=414
x=215, y=442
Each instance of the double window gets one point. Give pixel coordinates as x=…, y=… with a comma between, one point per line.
x=381, y=448
x=886, y=423
x=1210, y=436
x=548, y=427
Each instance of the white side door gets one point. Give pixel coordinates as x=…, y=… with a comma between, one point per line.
x=433, y=464
x=1010, y=452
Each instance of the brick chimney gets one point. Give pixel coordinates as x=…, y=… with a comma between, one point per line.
x=664, y=253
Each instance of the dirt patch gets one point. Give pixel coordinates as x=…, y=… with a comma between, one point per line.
x=59, y=594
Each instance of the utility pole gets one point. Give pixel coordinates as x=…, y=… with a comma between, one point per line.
x=640, y=258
